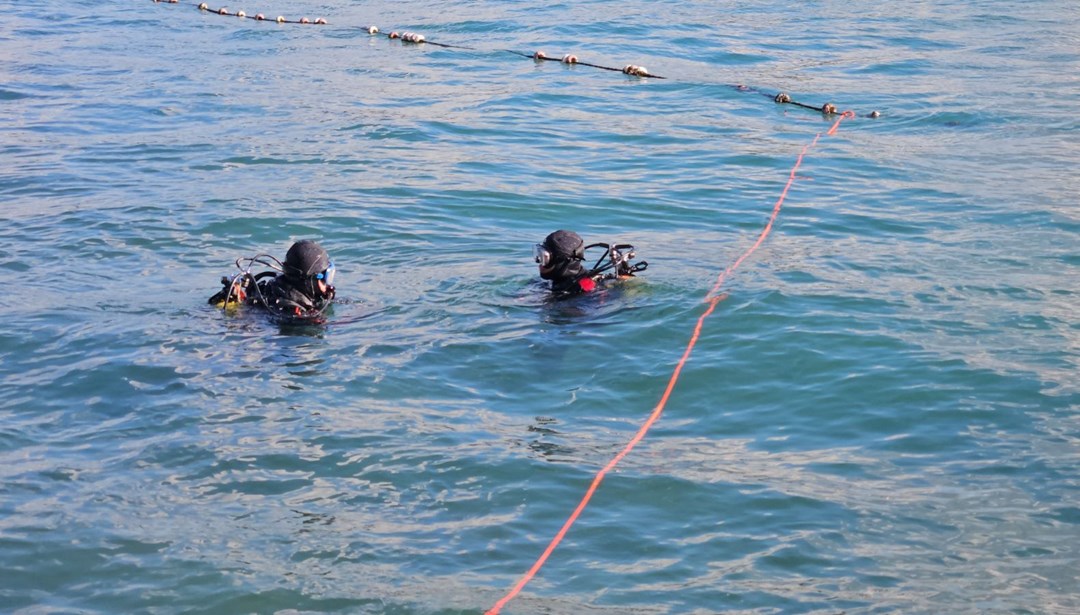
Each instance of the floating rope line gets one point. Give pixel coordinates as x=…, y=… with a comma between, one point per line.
x=711, y=299
x=569, y=58
x=632, y=70
x=412, y=37
x=318, y=21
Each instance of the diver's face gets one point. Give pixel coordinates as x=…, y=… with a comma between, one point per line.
x=317, y=288
x=548, y=272
x=325, y=291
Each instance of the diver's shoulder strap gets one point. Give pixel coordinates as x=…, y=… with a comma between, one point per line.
x=280, y=296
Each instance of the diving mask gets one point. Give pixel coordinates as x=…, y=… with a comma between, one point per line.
x=327, y=275
x=542, y=255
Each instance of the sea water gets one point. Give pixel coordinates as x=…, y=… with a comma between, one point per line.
x=879, y=416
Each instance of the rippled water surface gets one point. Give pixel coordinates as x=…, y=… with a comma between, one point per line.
x=880, y=416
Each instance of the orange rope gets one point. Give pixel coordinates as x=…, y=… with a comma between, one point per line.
x=712, y=300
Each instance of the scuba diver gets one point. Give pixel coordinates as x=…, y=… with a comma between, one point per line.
x=300, y=289
x=561, y=260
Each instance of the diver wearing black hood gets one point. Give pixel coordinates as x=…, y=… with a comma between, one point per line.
x=300, y=288
x=561, y=259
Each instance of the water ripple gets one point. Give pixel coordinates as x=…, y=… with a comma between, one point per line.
x=879, y=416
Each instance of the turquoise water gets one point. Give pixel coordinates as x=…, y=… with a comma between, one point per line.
x=882, y=415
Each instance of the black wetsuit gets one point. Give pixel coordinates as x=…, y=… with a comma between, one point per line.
x=280, y=295
x=569, y=278
x=574, y=279
x=283, y=296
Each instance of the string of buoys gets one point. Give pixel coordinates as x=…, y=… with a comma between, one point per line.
x=633, y=70
x=413, y=37
x=569, y=58
x=202, y=6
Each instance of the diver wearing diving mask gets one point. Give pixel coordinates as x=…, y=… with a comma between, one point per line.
x=300, y=288
x=561, y=260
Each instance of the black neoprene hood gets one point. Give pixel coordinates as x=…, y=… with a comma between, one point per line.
x=304, y=259
x=565, y=245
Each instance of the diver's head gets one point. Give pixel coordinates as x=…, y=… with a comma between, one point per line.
x=559, y=257
x=308, y=267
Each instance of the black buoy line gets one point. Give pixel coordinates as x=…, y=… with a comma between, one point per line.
x=629, y=69
x=538, y=56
